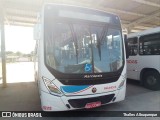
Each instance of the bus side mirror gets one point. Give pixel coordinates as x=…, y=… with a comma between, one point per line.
x=126, y=46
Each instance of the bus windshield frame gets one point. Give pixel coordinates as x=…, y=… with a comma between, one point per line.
x=89, y=71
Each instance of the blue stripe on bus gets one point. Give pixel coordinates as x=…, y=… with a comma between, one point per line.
x=71, y=89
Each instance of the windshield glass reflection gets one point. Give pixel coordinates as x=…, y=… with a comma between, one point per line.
x=77, y=48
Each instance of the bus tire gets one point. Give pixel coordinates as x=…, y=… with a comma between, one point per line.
x=151, y=80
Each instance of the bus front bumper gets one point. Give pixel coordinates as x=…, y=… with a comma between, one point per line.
x=54, y=103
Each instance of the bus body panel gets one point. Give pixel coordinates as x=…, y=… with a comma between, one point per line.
x=76, y=90
x=132, y=71
x=51, y=102
x=145, y=62
x=48, y=101
x=145, y=32
x=137, y=63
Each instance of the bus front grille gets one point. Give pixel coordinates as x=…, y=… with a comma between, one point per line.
x=80, y=103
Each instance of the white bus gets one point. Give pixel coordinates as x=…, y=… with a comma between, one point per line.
x=81, y=58
x=144, y=57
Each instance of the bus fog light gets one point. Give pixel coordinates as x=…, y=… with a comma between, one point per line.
x=53, y=89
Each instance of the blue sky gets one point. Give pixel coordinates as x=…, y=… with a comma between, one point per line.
x=19, y=39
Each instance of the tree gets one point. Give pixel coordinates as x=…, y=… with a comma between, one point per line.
x=9, y=53
x=18, y=53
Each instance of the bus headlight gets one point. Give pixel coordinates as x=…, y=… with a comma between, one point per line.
x=122, y=83
x=52, y=88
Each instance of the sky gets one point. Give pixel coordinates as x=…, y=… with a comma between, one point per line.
x=19, y=38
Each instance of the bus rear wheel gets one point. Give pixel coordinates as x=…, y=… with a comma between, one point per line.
x=151, y=80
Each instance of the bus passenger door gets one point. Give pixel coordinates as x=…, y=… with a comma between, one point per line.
x=132, y=62
x=132, y=65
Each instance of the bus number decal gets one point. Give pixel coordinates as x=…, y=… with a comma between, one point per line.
x=132, y=61
x=110, y=88
x=47, y=108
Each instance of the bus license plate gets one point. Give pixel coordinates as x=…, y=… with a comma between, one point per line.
x=93, y=105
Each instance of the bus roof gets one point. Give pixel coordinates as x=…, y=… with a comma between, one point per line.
x=69, y=12
x=78, y=6
x=145, y=32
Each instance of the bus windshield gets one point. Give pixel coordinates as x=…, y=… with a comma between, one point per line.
x=77, y=48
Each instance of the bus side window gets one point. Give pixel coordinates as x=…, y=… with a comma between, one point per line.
x=133, y=46
x=150, y=44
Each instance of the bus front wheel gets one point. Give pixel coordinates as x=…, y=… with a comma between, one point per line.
x=151, y=80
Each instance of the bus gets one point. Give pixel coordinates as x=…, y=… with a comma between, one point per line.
x=144, y=57
x=81, y=59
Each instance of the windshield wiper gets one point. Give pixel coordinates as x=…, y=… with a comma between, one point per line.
x=75, y=42
x=76, y=47
x=99, y=40
x=99, y=46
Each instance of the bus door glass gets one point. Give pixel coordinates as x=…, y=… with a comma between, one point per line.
x=132, y=62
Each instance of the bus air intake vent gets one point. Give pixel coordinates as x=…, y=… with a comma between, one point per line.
x=80, y=103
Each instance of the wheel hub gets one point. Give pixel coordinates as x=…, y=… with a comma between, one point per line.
x=151, y=80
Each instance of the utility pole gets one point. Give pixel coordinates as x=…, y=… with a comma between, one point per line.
x=3, y=55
